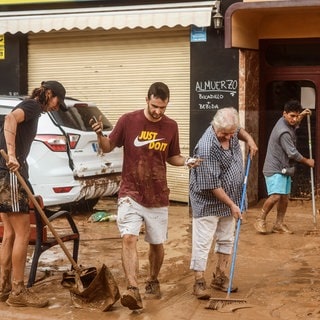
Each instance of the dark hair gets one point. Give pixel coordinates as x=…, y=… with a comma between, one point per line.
x=159, y=90
x=292, y=106
x=40, y=95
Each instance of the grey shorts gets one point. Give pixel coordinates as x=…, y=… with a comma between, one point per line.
x=131, y=215
x=13, y=198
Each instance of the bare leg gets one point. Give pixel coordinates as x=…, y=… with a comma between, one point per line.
x=130, y=261
x=17, y=230
x=198, y=274
x=279, y=226
x=260, y=223
x=131, y=297
x=14, y=250
x=282, y=208
x=156, y=256
x=269, y=204
x=220, y=281
x=20, y=222
x=6, y=258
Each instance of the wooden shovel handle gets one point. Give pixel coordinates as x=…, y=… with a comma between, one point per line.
x=43, y=215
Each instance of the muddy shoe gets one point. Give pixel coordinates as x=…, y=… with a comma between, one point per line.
x=152, y=290
x=26, y=298
x=221, y=283
x=131, y=298
x=260, y=225
x=200, y=290
x=281, y=228
x=6, y=285
x=4, y=295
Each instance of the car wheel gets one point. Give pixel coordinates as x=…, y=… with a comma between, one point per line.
x=82, y=206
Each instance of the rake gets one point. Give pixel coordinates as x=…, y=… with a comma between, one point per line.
x=228, y=304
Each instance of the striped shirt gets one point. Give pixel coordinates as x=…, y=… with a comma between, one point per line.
x=220, y=169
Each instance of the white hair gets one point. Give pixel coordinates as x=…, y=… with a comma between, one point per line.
x=225, y=118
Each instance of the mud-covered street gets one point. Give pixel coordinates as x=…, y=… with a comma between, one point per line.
x=277, y=274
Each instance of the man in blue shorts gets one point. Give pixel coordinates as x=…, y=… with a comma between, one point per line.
x=279, y=166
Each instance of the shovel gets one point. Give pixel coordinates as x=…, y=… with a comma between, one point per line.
x=88, y=286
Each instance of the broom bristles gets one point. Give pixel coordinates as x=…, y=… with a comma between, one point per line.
x=314, y=232
x=217, y=303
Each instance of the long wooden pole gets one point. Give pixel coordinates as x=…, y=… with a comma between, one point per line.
x=43, y=215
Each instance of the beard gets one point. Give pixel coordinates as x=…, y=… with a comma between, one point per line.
x=154, y=115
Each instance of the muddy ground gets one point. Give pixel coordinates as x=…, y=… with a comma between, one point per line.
x=277, y=274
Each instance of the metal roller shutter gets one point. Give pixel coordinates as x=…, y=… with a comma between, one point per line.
x=114, y=69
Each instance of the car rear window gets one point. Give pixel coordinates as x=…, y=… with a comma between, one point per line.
x=78, y=117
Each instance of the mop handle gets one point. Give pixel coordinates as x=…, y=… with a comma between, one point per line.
x=311, y=174
x=235, y=247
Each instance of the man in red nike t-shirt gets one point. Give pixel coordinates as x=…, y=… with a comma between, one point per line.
x=150, y=140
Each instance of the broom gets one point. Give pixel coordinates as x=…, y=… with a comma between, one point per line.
x=218, y=303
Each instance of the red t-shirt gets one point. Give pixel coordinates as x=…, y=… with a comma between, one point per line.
x=147, y=145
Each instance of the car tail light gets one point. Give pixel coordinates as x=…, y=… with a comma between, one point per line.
x=62, y=189
x=73, y=140
x=57, y=143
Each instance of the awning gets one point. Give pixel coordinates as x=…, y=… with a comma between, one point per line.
x=248, y=22
x=196, y=13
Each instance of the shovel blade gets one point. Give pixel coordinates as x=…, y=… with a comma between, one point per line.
x=95, y=290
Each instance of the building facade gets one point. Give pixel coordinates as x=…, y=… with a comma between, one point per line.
x=106, y=52
x=279, y=46
x=109, y=52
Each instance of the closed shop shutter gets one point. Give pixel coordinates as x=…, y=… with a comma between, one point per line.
x=114, y=69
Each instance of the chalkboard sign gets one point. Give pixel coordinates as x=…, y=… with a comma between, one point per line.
x=214, y=82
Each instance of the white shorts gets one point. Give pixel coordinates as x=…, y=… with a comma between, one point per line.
x=204, y=231
x=131, y=215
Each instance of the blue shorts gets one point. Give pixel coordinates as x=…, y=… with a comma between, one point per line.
x=278, y=184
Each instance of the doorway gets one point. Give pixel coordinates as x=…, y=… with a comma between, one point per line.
x=286, y=74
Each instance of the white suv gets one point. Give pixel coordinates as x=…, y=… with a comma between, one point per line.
x=66, y=166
